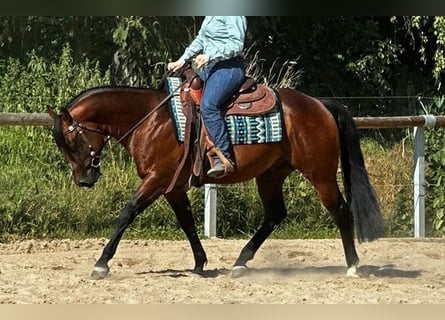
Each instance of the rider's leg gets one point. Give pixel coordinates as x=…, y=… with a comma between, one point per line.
x=223, y=81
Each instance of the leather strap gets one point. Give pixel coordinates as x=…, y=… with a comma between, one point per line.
x=187, y=133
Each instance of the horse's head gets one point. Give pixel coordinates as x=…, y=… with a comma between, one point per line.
x=81, y=145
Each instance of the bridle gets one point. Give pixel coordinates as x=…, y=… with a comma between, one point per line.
x=96, y=157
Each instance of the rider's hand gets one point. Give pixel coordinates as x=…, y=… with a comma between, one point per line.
x=201, y=60
x=174, y=66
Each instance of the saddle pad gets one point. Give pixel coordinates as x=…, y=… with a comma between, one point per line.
x=264, y=128
x=176, y=107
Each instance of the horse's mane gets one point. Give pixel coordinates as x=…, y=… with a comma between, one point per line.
x=93, y=90
x=58, y=134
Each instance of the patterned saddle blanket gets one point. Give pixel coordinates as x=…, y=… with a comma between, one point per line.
x=243, y=129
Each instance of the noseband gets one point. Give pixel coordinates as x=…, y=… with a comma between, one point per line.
x=96, y=157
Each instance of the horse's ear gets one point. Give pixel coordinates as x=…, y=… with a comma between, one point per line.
x=66, y=116
x=51, y=113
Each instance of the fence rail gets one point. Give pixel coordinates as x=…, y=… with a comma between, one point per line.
x=43, y=119
x=416, y=122
x=399, y=122
x=25, y=119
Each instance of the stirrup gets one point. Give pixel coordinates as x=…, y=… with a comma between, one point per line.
x=221, y=165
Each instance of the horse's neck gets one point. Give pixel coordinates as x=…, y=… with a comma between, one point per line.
x=116, y=113
x=99, y=116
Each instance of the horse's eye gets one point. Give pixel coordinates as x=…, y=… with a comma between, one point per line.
x=95, y=162
x=72, y=143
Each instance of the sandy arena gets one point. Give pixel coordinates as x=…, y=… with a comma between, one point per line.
x=395, y=271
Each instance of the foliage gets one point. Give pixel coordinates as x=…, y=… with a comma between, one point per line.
x=280, y=75
x=46, y=61
x=89, y=37
x=375, y=66
x=145, y=44
x=365, y=57
x=435, y=172
x=29, y=205
x=39, y=84
x=426, y=32
x=390, y=171
x=50, y=205
x=377, y=56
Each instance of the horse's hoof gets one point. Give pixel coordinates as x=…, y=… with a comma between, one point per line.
x=197, y=274
x=99, y=272
x=352, y=272
x=238, y=271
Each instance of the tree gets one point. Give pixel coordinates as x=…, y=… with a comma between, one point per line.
x=146, y=44
x=89, y=37
x=427, y=38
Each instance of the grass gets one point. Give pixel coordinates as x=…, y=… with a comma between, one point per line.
x=38, y=198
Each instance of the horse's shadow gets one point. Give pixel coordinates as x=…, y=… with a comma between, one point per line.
x=388, y=271
x=365, y=271
x=173, y=273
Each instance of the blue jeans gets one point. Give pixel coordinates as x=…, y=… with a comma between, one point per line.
x=221, y=80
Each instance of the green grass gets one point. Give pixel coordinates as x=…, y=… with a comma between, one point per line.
x=38, y=198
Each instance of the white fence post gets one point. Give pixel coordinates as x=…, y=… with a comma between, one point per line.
x=210, y=210
x=419, y=182
x=419, y=174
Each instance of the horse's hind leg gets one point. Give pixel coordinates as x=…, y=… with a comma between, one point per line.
x=270, y=191
x=180, y=204
x=333, y=201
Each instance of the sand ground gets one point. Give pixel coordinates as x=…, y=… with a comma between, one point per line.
x=394, y=271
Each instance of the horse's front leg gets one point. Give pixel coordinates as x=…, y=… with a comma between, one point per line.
x=180, y=204
x=137, y=204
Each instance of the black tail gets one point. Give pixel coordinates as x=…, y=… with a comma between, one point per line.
x=360, y=194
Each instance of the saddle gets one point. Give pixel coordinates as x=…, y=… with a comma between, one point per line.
x=251, y=99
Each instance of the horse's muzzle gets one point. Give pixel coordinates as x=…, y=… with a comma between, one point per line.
x=90, y=179
x=85, y=184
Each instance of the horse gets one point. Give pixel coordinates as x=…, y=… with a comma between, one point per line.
x=318, y=135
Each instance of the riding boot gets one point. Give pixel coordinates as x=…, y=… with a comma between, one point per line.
x=218, y=169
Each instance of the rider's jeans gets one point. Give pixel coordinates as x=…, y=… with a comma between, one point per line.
x=221, y=79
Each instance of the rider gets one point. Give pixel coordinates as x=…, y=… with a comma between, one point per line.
x=218, y=48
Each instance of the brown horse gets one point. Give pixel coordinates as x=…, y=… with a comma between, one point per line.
x=316, y=136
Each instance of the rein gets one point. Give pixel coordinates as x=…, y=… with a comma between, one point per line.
x=168, y=73
x=148, y=115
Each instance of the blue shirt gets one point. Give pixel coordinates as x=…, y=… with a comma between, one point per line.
x=220, y=38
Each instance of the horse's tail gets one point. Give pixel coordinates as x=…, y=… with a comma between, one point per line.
x=360, y=194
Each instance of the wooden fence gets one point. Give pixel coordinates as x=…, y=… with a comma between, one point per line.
x=416, y=122
x=42, y=119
